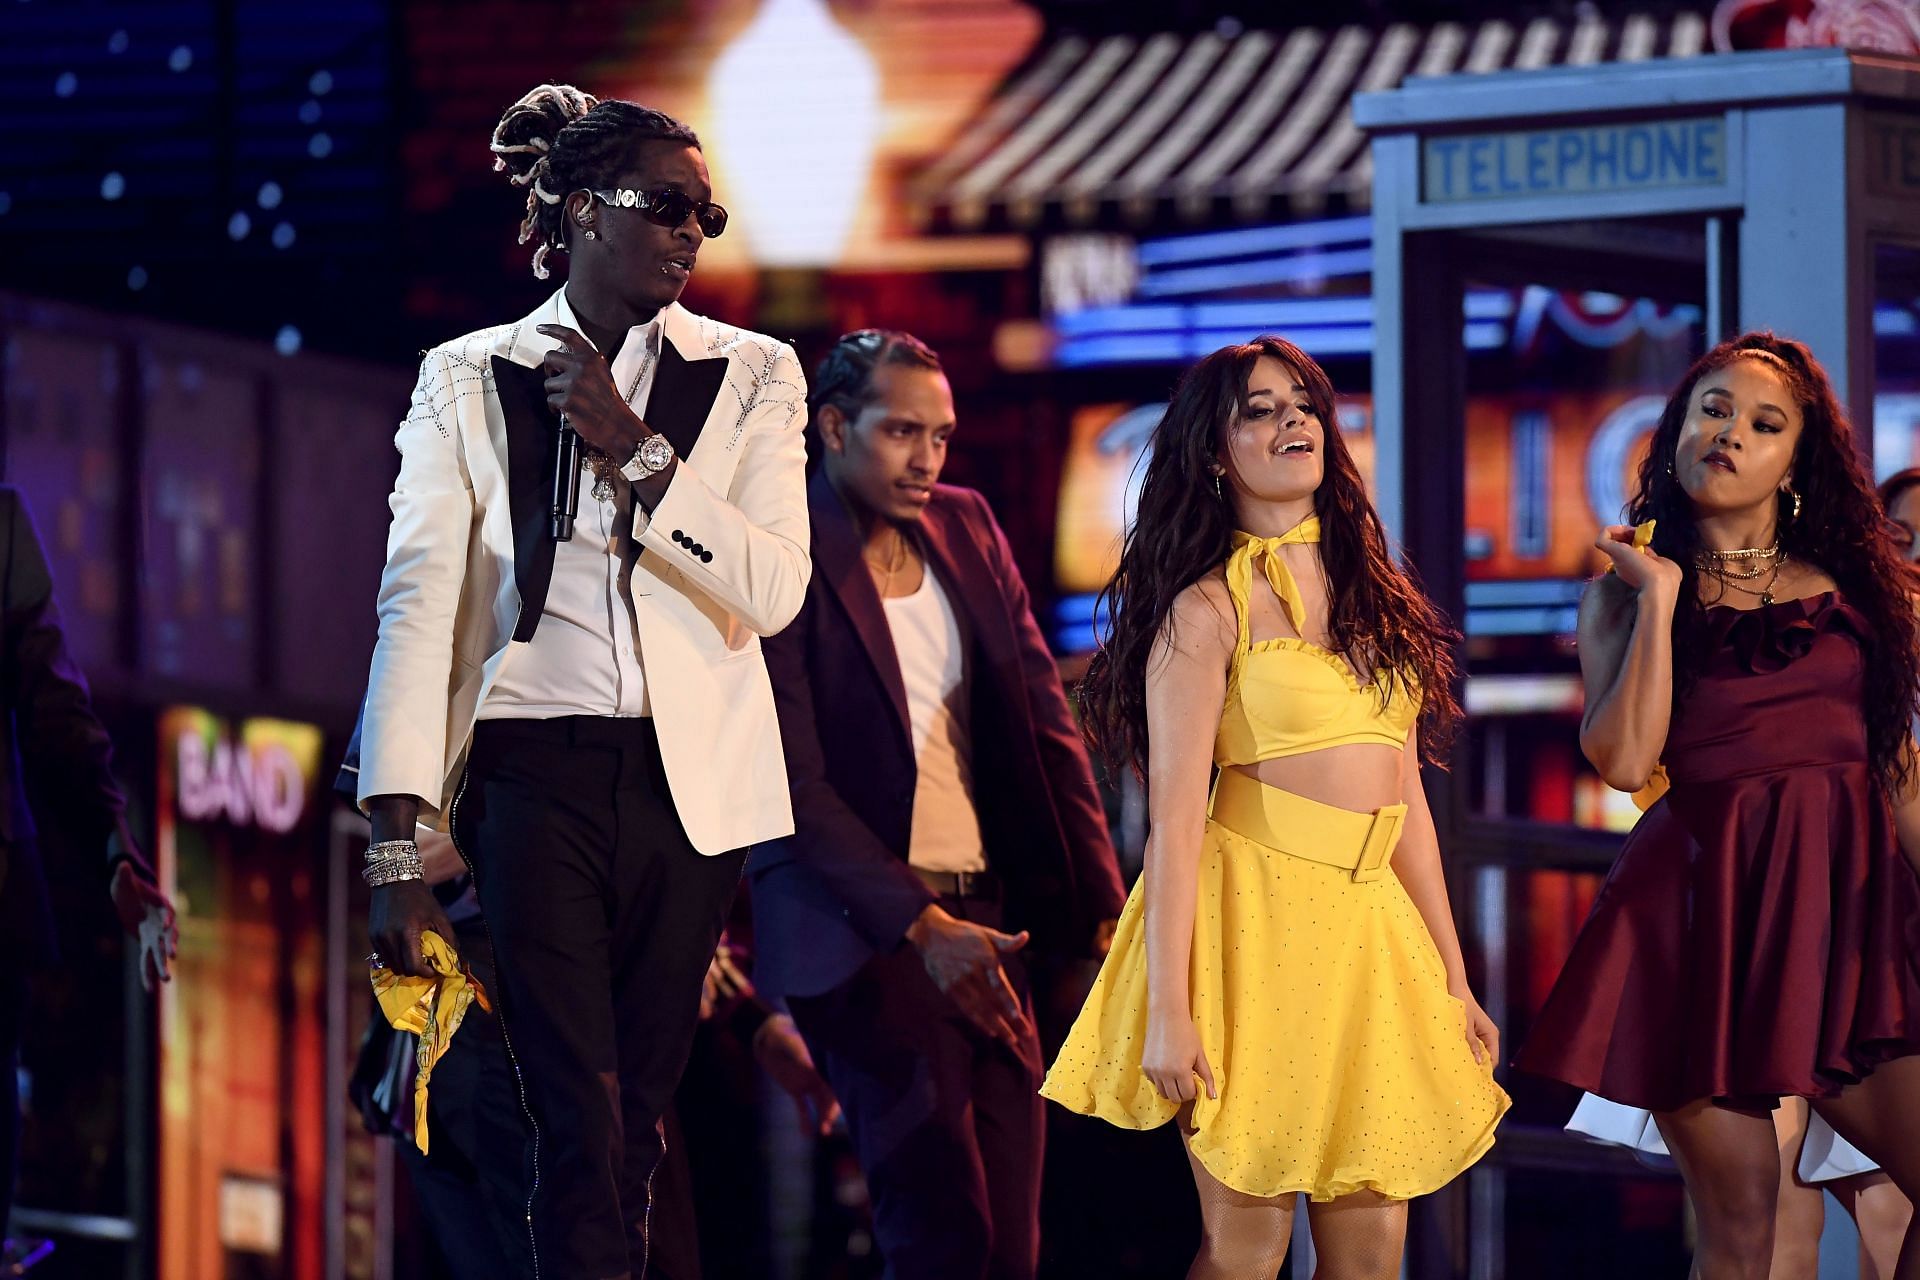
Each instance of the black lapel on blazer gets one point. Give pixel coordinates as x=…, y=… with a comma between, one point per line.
x=683, y=395
x=836, y=558
x=533, y=436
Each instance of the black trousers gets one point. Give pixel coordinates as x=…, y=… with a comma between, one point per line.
x=603, y=918
x=946, y=1122
x=472, y=1188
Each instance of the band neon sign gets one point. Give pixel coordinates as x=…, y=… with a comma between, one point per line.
x=259, y=785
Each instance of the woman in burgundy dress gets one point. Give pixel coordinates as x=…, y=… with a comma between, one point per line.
x=1760, y=934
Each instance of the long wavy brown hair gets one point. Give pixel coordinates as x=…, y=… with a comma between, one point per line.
x=1840, y=529
x=1379, y=619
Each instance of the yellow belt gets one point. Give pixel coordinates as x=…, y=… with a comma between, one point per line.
x=1362, y=843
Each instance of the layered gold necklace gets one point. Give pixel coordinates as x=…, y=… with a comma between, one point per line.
x=1735, y=569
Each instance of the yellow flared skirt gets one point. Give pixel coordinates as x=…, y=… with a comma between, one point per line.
x=1340, y=1058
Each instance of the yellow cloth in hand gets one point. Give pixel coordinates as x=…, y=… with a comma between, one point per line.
x=431, y=1008
x=1656, y=787
x=1642, y=539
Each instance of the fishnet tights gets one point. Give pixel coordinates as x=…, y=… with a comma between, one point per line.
x=1243, y=1237
x=1359, y=1237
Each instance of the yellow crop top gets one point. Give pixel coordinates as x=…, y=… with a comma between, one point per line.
x=1287, y=696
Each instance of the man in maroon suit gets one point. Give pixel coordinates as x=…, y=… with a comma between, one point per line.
x=945, y=815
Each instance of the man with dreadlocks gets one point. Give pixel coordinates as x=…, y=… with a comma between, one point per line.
x=589, y=716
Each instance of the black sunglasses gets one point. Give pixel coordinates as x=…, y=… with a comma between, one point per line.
x=667, y=207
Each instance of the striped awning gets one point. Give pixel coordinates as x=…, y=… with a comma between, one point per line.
x=1228, y=125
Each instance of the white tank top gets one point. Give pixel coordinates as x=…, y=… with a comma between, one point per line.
x=932, y=650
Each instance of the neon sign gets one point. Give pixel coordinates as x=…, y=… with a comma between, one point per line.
x=256, y=781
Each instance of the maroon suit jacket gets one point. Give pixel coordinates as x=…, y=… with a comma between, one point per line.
x=839, y=890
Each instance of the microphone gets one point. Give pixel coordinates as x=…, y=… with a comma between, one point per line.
x=566, y=482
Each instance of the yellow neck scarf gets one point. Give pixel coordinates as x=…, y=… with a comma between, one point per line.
x=1247, y=549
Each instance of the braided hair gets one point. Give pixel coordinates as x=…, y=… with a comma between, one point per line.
x=558, y=140
x=844, y=379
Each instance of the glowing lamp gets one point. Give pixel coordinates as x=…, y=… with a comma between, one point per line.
x=796, y=108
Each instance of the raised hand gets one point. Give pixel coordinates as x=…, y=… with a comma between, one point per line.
x=1640, y=567
x=580, y=385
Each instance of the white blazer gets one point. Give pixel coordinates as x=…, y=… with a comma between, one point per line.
x=469, y=559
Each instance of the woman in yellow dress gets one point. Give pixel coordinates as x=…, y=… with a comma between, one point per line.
x=1286, y=978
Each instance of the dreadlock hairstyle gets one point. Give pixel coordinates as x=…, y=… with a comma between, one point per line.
x=1377, y=615
x=845, y=377
x=558, y=140
x=1840, y=529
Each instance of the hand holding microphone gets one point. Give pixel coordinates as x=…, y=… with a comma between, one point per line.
x=566, y=482
x=592, y=412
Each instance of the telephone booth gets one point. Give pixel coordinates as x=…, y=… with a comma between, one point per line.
x=1656, y=207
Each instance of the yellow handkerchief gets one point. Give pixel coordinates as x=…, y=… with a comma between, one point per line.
x=1646, y=797
x=1642, y=538
x=431, y=1008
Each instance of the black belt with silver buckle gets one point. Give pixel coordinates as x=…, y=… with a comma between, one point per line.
x=961, y=884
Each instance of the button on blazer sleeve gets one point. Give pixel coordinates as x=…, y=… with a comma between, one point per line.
x=753, y=538
x=403, y=748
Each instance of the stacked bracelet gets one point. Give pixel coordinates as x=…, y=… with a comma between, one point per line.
x=392, y=861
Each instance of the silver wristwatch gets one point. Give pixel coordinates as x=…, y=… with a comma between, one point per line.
x=652, y=456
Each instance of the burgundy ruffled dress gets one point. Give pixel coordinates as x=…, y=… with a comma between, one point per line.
x=1760, y=933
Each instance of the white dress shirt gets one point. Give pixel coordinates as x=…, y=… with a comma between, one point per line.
x=584, y=658
x=932, y=651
